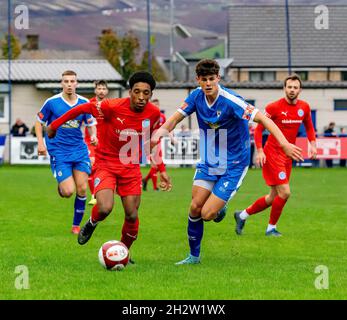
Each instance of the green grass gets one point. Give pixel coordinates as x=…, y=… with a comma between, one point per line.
x=35, y=232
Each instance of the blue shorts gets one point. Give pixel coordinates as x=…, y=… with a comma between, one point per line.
x=222, y=186
x=62, y=167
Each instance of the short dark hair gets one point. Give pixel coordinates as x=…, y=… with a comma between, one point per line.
x=142, y=76
x=207, y=67
x=100, y=83
x=69, y=73
x=292, y=77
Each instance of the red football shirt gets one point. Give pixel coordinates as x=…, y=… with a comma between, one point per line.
x=99, y=119
x=123, y=131
x=288, y=117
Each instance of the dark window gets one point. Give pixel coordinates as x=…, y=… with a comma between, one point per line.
x=340, y=104
x=256, y=76
x=303, y=75
x=344, y=76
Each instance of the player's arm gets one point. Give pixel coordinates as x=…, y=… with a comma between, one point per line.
x=41, y=148
x=88, y=107
x=258, y=141
x=166, y=128
x=92, y=133
x=289, y=149
x=311, y=135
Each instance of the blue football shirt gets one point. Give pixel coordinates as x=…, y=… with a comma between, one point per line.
x=224, y=134
x=69, y=138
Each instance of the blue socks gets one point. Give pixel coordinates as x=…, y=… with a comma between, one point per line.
x=80, y=205
x=195, y=232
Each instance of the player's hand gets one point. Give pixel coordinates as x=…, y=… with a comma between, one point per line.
x=50, y=132
x=312, y=152
x=154, y=142
x=41, y=150
x=94, y=140
x=293, y=151
x=260, y=159
x=165, y=182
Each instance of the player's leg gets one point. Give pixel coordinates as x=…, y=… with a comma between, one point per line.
x=130, y=227
x=154, y=178
x=105, y=183
x=92, y=200
x=200, y=193
x=62, y=172
x=258, y=206
x=80, y=175
x=283, y=193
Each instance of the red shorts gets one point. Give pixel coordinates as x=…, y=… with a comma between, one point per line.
x=277, y=168
x=126, y=181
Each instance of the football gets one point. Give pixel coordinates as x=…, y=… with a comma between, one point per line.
x=114, y=255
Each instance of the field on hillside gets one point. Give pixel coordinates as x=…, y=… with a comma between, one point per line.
x=35, y=233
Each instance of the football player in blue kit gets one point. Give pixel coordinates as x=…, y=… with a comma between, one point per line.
x=68, y=153
x=222, y=117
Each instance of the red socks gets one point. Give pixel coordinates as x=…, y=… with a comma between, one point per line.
x=152, y=174
x=129, y=232
x=257, y=206
x=276, y=210
x=96, y=216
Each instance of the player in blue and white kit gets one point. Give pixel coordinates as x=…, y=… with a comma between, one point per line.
x=69, y=157
x=224, y=147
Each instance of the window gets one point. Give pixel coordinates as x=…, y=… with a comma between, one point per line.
x=303, y=75
x=256, y=76
x=344, y=76
x=340, y=104
x=3, y=108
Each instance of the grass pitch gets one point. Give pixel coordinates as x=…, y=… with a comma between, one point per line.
x=35, y=233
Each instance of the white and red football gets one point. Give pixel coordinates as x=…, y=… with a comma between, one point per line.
x=114, y=255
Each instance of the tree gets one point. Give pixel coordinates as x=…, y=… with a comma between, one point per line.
x=130, y=51
x=16, y=47
x=110, y=46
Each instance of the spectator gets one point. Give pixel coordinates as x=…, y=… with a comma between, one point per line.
x=185, y=132
x=330, y=132
x=19, y=129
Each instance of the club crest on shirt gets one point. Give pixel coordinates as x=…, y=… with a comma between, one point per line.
x=300, y=113
x=219, y=113
x=282, y=175
x=145, y=123
x=71, y=124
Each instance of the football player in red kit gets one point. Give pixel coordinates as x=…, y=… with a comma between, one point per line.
x=101, y=91
x=155, y=168
x=288, y=113
x=127, y=123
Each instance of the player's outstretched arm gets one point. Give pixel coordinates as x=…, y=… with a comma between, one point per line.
x=88, y=107
x=166, y=128
x=289, y=149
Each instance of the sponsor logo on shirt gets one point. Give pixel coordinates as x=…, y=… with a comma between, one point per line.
x=291, y=121
x=213, y=125
x=300, y=113
x=284, y=112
